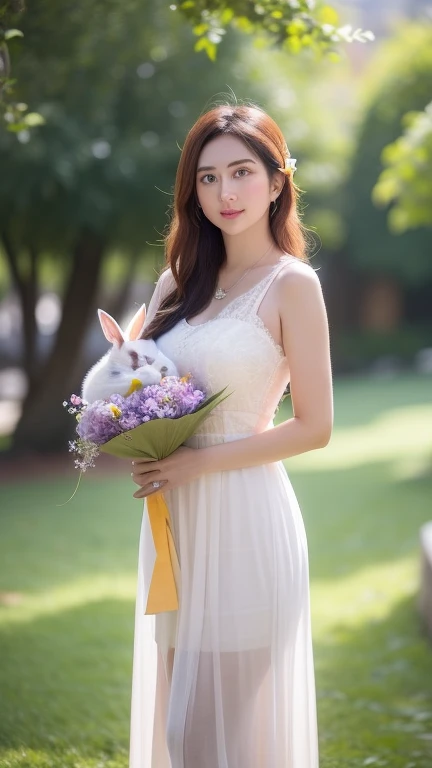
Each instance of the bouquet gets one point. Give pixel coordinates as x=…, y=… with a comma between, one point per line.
x=149, y=422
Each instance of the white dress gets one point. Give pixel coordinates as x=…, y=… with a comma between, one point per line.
x=239, y=689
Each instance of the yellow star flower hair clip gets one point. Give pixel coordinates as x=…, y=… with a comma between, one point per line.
x=290, y=166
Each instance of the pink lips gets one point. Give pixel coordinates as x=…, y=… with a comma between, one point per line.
x=230, y=214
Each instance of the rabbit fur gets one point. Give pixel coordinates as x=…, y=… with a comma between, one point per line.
x=130, y=358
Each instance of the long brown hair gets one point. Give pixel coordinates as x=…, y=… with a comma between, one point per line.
x=195, y=249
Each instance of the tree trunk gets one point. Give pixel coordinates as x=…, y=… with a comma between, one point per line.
x=25, y=282
x=29, y=319
x=45, y=425
x=382, y=305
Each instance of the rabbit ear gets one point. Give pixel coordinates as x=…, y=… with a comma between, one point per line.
x=111, y=329
x=136, y=325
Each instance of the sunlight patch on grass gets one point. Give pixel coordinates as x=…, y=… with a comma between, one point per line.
x=68, y=758
x=75, y=594
x=396, y=434
x=369, y=594
x=412, y=467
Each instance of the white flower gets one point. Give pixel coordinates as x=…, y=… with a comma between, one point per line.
x=290, y=166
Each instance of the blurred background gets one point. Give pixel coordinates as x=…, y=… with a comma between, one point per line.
x=85, y=198
x=103, y=96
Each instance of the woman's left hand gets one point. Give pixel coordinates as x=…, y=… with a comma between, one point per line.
x=179, y=468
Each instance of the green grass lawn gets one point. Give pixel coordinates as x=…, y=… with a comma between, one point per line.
x=68, y=575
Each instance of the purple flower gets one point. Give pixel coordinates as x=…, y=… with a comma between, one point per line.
x=98, y=423
x=129, y=421
x=102, y=420
x=118, y=400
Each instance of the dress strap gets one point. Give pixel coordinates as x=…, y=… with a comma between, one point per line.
x=246, y=305
x=265, y=285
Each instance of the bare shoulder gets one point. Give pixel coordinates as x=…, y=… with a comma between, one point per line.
x=297, y=275
x=299, y=289
x=301, y=303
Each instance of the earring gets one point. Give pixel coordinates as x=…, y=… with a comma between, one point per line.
x=274, y=208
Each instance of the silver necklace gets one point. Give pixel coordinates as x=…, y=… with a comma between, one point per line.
x=220, y=293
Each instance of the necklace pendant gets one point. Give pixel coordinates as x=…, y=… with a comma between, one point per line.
x=220, y=293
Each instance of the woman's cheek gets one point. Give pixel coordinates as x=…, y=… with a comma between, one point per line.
x=257, y=188
x=207, y=198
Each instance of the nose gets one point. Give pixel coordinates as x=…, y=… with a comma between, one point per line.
x=227, y=194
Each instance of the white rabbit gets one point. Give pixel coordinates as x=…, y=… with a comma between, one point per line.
x=130, y=358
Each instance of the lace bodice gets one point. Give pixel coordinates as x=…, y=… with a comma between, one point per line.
x=234, y=350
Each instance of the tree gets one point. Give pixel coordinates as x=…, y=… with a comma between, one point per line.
x=398, y=82
x=407, y=179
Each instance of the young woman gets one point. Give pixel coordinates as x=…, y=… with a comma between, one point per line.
x=227, y=681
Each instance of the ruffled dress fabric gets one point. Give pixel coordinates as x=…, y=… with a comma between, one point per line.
x=227, y=681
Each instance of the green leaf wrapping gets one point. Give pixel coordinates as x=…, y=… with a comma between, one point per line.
x=157, y=439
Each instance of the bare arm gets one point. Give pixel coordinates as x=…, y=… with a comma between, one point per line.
x=306, y=344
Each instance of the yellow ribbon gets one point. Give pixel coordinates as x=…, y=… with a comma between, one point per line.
x=163, y=592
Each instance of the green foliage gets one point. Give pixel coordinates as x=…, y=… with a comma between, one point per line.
x=293, y=26
x=398, y=81
x=10, y=33
x=407, y=178
x=12, y=112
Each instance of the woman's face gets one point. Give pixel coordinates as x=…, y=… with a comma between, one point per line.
x=232, y=184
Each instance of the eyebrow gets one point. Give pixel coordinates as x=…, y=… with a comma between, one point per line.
x=235, y=162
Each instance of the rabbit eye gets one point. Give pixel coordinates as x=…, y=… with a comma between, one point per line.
x=115, y=373
x=164, y=369
x=149, y=360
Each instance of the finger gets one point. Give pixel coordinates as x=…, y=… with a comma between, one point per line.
x=142, y=464
x=145, y=478
x=141, y=494
x=148, y=491
x=145, y=466
x=142, y=472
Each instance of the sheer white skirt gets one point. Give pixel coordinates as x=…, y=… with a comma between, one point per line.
x=227, y=681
